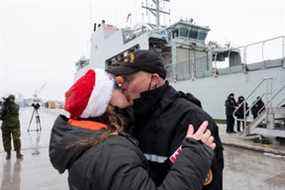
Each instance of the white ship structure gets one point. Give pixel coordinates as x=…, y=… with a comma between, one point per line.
x=207, y=70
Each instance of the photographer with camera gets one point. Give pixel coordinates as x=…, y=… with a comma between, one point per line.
x=11, y=126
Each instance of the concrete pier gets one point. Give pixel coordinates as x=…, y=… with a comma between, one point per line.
x=248, y=165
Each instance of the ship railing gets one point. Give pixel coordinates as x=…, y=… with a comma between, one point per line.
x=250, y=57
x=268, y=108
x=257, y=55
x=281, y=102
x=268, y=82
x=254, y=56
x=275, y=95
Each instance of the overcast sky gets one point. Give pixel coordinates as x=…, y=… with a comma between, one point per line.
x=41, y=40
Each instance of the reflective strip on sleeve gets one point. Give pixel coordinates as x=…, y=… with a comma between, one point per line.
x=155, y=158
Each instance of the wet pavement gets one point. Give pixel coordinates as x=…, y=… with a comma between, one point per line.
x=33, y=173
x=244, y=169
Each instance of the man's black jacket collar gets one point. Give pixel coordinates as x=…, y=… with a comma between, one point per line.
x=153, y=100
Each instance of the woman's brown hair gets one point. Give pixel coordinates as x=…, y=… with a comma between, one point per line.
x=115, y=124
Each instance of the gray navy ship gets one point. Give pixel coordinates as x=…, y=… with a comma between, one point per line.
x=208, y=70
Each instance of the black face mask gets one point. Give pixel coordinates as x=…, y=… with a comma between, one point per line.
x=147, y=103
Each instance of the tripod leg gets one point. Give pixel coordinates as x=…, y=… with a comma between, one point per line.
x=40, y=124
x=38, y=121
x=37, y=124
x=31, y=121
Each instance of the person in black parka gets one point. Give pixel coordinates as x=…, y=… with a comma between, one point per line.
x=162, y=115
x=258, y=107
x=98, y=154
x=230, y=105
x=241, y=113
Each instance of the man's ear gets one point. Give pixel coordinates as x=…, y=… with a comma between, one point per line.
x=160, y=81
x=156, y=77
x=156, y=80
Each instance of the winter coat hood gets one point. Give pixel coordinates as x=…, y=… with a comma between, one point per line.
x=68, y=143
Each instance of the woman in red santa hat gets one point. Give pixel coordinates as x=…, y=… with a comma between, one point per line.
x=93, y=146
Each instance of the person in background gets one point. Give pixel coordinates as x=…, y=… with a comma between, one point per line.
x=11, y=127
x=230, y=105
x=97, y=152
x=162, y=114
x=241, y=113
x=258, y=107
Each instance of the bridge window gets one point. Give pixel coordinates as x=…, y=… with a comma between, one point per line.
x=175, y=33
x=193, y=33
x=202, y=35
x=184, y=32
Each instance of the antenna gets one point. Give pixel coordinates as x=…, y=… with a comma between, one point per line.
x=37, y=91
x=156, y=12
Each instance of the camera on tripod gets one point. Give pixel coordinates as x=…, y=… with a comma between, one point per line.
x=36, y=105
x=35, y=114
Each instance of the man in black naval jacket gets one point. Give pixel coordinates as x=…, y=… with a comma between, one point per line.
x=230, y=105
x=162, y=115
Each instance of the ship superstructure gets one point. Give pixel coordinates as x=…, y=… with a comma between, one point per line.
x=207, y=70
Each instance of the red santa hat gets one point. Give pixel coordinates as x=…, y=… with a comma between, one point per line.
x=90, y=95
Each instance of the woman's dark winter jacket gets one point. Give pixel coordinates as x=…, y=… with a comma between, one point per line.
x=242, y=110
x=117, y=162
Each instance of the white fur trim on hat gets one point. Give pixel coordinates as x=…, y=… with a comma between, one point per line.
x=100, y=96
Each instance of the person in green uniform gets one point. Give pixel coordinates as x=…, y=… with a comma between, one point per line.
x=11, y=127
